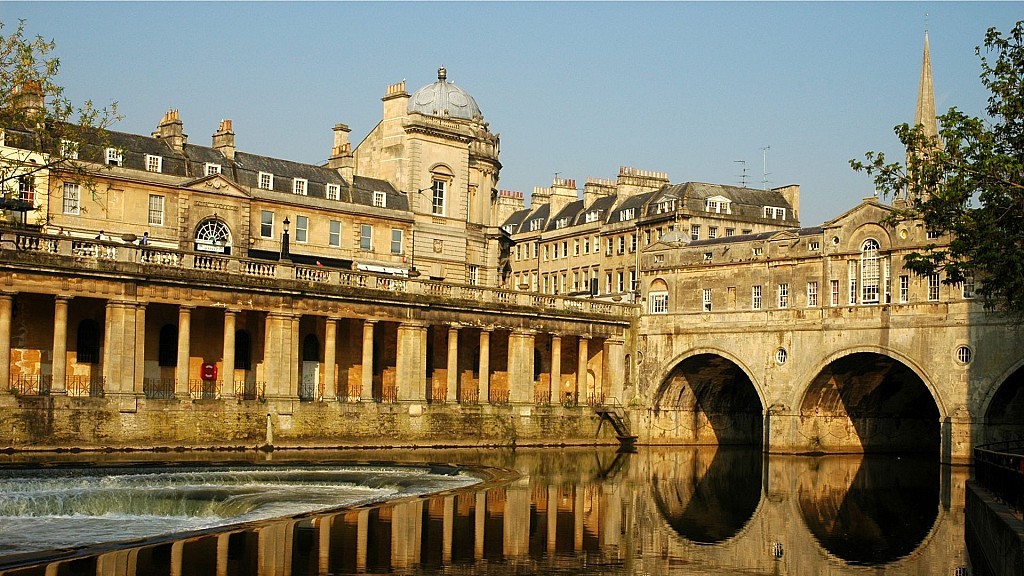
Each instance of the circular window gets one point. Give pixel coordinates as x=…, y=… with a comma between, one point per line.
x=780, y=356
x=964, y=355
x=835, y=240
x=213, y=236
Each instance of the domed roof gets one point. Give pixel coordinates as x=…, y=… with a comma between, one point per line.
x=444, y=100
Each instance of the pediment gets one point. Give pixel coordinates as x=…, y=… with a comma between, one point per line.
x=217, y=184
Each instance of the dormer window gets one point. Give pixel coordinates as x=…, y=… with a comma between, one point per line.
x=212, y=169
x=535, y=224
x=561, y=223
x=333, y=192
x=380, y=199
x=154, y=163
x=266, y=181
x=114, y=157
x=592, y=216
x=627, y=214
x=299, y=186
x=507, y=228
x=68, y=149
x=718, y=205
x=774, y=213
x=665, y=206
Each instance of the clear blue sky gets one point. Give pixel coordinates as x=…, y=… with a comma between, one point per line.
x=575, y=88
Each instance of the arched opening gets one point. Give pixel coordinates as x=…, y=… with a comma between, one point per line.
x=243, y=351
x=873, y=509
x=309, y=387
x=708, y=494
x=212, y=235
x=1004, y=419
x=168, y=346
x=867, y=402
x=708, y=399
x=88, y=342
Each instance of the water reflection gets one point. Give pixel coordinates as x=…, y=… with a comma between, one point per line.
x=585, y=511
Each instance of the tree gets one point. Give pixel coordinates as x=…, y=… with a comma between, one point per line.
x=42, y=130
x=967, y=184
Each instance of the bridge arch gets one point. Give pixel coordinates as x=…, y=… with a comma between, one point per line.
x=1002, y=408
x=707, y=396
x=869, y=399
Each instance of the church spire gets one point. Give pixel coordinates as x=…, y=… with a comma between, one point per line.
x=925, y=114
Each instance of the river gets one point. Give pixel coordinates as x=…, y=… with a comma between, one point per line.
x=569, y=511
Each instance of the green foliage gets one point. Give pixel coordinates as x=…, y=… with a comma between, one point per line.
x=968, y=184
x=43, y=130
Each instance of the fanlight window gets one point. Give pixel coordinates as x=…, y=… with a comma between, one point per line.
x=213, y=236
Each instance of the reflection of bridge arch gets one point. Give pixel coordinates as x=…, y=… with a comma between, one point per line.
x=707, y=396
x=868, y=399
x=710, y=501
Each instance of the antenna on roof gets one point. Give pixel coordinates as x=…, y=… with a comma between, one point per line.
x=743, y=172
x=764, y=166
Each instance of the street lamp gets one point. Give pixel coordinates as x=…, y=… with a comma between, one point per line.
x=285, y=253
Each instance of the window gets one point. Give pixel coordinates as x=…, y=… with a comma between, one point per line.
x=154, y=163
x=622, y=245
x=904, y=289
x=869, y=272
x=712, y=205
x=611, y=243
x=887, y=279
x=782, y=293
x=755, y=297
x=633, y=284
x=620, y=285
x=712, y=231
x=659, y=258
x=365, y=237
x=561, y=223
x=68, y=149
x=299, y=186
x=71, y=198
x=968, y=287
x=814, y=245
x=536, y=246
x=608, y=283
x=834, y=297
x=812, y=294
x=27, y=189
x=730, y=231
x=852, y=276
x=708, y=256
x=437, y=206
x=575, y=247
x=933, y=287
x=657, y=302
x=695, y=232
x=472, y=273
x=632, y=243
x=586, y=245
x=575, y=280
x=333, y=192
x=301, y=229
x=334, y=234
x=156, y=210
x=773, y=213
x=758, y=250
x=266, y=181
x=933, y=235
x=212, y=169
x=627, y=214
x=534, y=224
x=396, y=241
x=592, y=216
x=114, y=157
x=267, y=224
x=380, y=199
x=705, y=298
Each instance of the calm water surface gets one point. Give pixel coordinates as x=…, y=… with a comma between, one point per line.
x=546, y=511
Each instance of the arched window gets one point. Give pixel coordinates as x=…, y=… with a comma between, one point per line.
x=310, y=348
x=657, y=297
x=441, y=178
x=870, y=272
x=88, y=342
x=168, y=353
x=212, y=235
x=243, y=351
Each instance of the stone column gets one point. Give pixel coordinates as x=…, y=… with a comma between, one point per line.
x=331, y=359
x=581, y=369
x=6, y=300
x=140, y=349
x=120, y=338
x=453, y=364
x=184, y=354
x=227, y=371
x=556, y=369
x=294, y=359
x=485, y=366
x=411, y=364
x=520, y=366
x=615, y=368
x=60, y=345
x=366, y=395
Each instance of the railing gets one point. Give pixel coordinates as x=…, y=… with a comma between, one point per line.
x=499, y=397
x=204, y=389
x=159, y=388
x=569, y=400
x=85, y=249
x=246, y=390
x=595, y=399
x=438, y=394
x=471, y=396
x=999, y=468
x=542, y=397
x=309, y=391
x=387, y=395
x=83, y=386
x=33, y=385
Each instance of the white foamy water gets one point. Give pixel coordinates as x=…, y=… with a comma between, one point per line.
x=62, y=508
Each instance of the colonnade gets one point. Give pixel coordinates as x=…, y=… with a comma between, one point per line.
x=381, y=358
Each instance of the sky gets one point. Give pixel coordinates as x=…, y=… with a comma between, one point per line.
x=785, y=93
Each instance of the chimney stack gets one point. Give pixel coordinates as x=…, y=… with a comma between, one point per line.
x=171, y=129
x=342, y=158
x=224, y=140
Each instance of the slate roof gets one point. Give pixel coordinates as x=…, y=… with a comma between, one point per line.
x=570, y=211
x=635, y=201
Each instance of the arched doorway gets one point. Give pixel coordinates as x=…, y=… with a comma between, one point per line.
x=212, y=235
x=708, y=399
x=868, y=402
x=309, y=387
